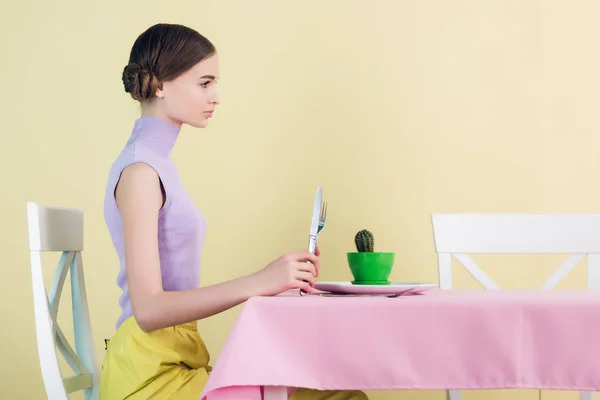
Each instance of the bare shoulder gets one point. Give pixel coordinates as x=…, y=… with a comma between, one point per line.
x=139, y=186
x=139, y=172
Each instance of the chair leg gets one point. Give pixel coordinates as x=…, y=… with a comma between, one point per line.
x=453, y=395
x=275, y=393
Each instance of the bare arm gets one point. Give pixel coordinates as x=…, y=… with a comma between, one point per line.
x=139, y=198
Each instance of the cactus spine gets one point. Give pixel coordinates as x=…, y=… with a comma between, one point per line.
x=364, y=240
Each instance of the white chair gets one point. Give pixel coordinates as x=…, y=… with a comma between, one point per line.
x=456, y=235
x=61, y=230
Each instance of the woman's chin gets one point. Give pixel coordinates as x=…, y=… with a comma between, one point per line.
x=201, y=123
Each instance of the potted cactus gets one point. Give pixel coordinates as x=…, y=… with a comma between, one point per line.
x=368, y=266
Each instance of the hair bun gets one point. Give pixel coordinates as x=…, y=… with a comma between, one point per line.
x=139, y=82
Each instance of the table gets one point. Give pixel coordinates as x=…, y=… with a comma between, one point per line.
x=444, y=339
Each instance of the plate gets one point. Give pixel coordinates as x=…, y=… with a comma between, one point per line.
x=392, y=288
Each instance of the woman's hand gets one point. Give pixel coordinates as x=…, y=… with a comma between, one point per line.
x=290, y=271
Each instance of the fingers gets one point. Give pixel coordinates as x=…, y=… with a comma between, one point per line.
x=317, y=251
x=306, y=276
x=307, y=267
x=303, y=261
x=306, y=256
x=303, y=257
x=305, y=286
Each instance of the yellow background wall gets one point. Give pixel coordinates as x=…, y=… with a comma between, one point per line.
x=397, y=108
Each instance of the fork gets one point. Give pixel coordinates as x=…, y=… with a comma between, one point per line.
x=322, y=218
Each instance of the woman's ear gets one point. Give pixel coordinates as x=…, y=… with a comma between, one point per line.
x=160, y=93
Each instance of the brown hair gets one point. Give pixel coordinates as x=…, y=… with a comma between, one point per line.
x=162, y=53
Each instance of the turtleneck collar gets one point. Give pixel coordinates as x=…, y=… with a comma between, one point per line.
x=157, y=133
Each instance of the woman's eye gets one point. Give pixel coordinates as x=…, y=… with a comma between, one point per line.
x=205, y=84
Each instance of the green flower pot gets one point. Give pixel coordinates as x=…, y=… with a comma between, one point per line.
x=371, y=268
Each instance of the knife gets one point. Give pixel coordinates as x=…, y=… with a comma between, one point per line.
x=314, y=225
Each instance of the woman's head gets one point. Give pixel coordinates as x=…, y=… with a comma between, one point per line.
x=172, y=71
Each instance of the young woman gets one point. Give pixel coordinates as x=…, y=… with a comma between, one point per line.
x=158, y=232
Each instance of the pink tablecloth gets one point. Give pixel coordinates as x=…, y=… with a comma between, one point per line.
x=441, y=340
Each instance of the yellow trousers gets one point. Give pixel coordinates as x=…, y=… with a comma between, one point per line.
x=169, y=364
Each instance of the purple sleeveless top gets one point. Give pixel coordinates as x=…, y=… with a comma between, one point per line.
x=181, y=225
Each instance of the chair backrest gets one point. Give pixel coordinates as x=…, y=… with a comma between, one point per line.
x=456, y=235
x=53, y=229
